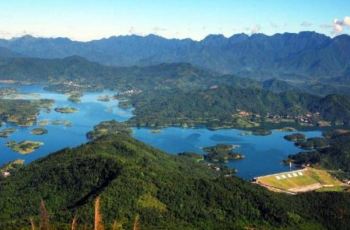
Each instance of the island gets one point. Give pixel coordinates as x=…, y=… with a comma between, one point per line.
x=24, y=147
x=75, y=97
x=44, y=122
x=66, y=110
x=7, y=132
x=104, y=98
x=156, y=131
x=221, y=153
x=313, y=143
x=295, y=137
x=22, y=112
x=108, y=127
x=261, y=132
x=66, y=123
x=39, y=131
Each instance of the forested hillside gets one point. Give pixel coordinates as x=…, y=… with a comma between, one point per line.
x=167, y=192
x=231, y=106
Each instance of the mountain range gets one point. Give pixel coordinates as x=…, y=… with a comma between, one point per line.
x=294, y=56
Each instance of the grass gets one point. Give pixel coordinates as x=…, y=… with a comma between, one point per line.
x=312, y=179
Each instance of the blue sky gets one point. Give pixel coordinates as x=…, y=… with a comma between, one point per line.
x=94, y=19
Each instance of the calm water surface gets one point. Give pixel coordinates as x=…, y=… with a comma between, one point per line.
x=264, y=154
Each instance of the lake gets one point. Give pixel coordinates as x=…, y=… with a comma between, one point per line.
x=264, y=154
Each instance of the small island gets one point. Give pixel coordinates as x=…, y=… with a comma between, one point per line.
x=108, y=127
x=313, y=143
x=24, y=147
x=261, y=132
x=104, y=98
x=295, y=137
x=7, y=132
x=66, y=110
x=156, y=131
x=221, y=153
x=125, y=104
x=43, y=122
x=75, y=97
x=39, y=131
x=65, y=123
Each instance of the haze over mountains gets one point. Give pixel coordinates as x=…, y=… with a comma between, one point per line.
x=304, y=55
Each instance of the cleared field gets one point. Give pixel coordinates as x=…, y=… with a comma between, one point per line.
x=304, y=180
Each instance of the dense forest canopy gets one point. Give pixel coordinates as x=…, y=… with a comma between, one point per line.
x=167, y=192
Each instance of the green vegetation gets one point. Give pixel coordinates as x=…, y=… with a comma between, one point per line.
x=166, y=192
x=180, y=94
x=287, y=129
x=295, y=137
x=312, y=143
x=261, y=132
x=104, y=98
x=307, y=57
x=22, y=112
x=66, y=110
x=304, y=180
x=7, y=132
x=11, y=167
x=75, y=97
x=43, y=122
x=236, y=107
x=221, y=153
x=335, y=156
x=194, y=156
x=24, y=147
x=108, y=127
x=66, y=123
x=38, y=131
x=156, y=130
x=5, y=92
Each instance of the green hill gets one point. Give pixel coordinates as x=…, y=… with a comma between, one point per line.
x=167, y=192
x=335, y=156
x=219, y=106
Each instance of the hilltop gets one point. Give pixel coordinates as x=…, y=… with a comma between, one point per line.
x=167, y=192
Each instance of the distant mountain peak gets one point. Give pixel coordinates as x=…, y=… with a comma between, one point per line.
x=306, y=54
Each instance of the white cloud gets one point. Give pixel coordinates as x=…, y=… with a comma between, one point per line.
x=347, y=21
x=340, y=25
x=255, y=29
x=338, y=28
